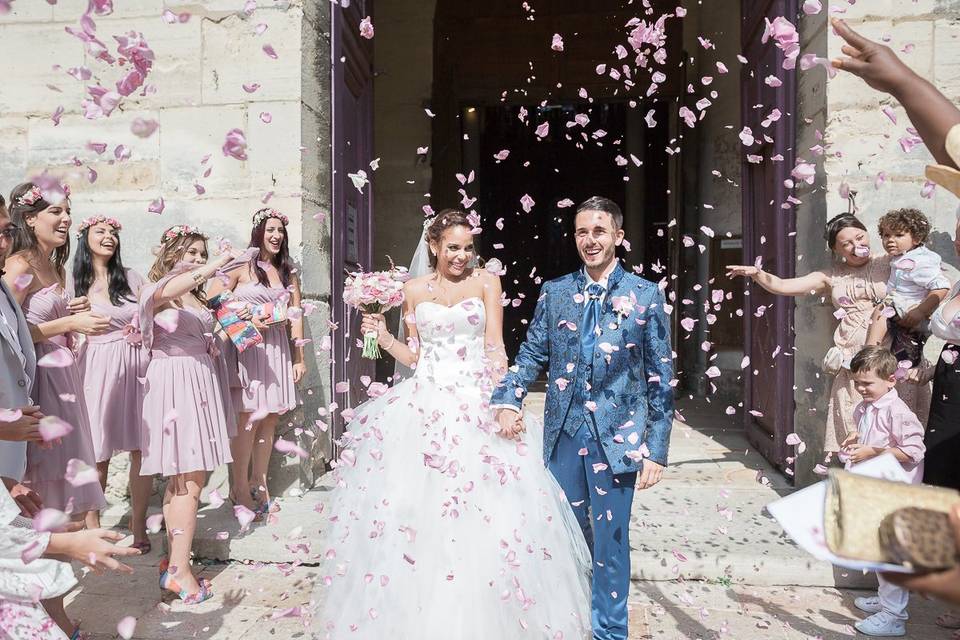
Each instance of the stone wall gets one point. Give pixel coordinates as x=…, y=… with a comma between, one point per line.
x=199, y=74
x=861, y=142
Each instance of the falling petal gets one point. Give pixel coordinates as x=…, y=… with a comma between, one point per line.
x=52, y=428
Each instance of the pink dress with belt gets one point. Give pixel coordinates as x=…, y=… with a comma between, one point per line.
x=113, y=364
x=266, y=370
x=185, y=426
x=58, y=391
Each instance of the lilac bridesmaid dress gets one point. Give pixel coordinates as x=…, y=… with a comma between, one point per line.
x=228, y=376
x=185, y=426
x=58, y=391
x=266, y=370
x=113, y=364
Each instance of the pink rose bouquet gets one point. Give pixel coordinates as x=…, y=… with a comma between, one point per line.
x=374, y=292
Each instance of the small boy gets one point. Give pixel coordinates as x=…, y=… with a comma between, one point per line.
x=884, y=424
x=915, y=288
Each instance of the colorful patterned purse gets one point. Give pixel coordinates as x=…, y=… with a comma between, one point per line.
x=241, y=332
x=270, y=312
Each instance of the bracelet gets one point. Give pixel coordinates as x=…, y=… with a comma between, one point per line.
x=392, y=342
x=198, y=277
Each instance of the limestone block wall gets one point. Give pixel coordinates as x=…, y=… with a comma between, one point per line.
x=201, y=68
x=861, y=142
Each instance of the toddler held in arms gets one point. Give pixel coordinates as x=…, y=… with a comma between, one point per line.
x=915, y=288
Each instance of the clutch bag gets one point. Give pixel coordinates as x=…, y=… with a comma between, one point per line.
x=856, y=505
x=919, y=538
x=242, y=333
x=270, y=312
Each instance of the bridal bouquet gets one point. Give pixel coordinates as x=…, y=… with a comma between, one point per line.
x=374, y=292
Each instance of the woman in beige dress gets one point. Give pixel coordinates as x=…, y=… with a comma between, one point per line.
x=857, y=282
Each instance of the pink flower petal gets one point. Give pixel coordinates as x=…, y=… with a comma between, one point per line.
x=79, y=473
x=50, y=520
x=52, y=428
x=57, y=359
x=126, y=627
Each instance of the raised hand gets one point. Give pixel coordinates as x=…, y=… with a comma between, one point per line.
x=742, y=271
x=875, y=63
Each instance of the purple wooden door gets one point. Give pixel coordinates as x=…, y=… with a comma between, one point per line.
x=352, y=219
x=767, y=229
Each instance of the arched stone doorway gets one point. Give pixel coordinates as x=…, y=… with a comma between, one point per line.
x=497, y=83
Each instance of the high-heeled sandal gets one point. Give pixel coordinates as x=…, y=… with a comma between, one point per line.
x=270, y=506
x=257, y=513
x=169, y=583
x=165, y=566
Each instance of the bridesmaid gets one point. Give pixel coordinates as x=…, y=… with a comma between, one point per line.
x=113, y=362
x=184, y=430
x=269, y=371
x=856, y=283
x=36, y=276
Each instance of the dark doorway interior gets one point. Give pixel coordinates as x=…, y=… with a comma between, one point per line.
x=538, y=245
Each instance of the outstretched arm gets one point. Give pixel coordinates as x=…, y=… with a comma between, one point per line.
x=531, y=359
x=812, y=283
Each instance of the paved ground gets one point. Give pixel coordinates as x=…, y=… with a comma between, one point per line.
x=708, y=563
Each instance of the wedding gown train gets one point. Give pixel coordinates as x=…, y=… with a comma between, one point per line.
x=440, y=528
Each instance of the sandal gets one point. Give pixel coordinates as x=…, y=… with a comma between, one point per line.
x=168, y=583
x=270, y=506
x=144, y=547
x=77, y=635
x=948, y=620
x=165, y=565
x=257, y=513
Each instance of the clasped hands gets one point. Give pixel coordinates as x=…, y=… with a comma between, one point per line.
x=511, y=423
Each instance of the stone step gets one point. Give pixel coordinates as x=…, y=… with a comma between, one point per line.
x=662, y=550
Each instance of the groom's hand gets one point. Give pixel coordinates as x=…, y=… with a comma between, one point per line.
x=510, y=422
x=650, y=475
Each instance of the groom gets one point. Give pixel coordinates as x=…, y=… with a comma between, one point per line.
x=604, y=336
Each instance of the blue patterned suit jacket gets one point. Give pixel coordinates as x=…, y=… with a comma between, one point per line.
x=633, y=368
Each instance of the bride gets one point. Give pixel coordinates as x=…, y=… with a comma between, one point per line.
x=439, y=526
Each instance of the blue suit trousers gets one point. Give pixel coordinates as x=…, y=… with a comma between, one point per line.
x=602, y=503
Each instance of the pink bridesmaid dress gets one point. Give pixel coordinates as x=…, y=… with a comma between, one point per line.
x=228, y=376
x=113, y=364
x=58, y=391
x=266, y=370
x=185, y=426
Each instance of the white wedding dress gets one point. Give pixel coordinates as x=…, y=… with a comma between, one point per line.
x=440, y=528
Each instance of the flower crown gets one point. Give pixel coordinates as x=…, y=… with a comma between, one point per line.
x=35, y=195
x=86, y=223
x=179, y=230
x=270, y=213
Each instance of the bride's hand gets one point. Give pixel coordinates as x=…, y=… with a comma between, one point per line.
x=375, y=323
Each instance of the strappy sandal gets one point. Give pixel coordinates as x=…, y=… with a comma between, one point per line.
x=165, y=566
x=257, y=513
x=169, y=583
x=144, y=547
x=948, y=620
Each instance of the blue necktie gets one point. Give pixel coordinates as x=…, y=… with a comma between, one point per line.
x=589, y=322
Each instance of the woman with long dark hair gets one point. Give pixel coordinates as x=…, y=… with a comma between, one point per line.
x=35, y=274
x=113, y=362
x=184, y=434
x=269, y=371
